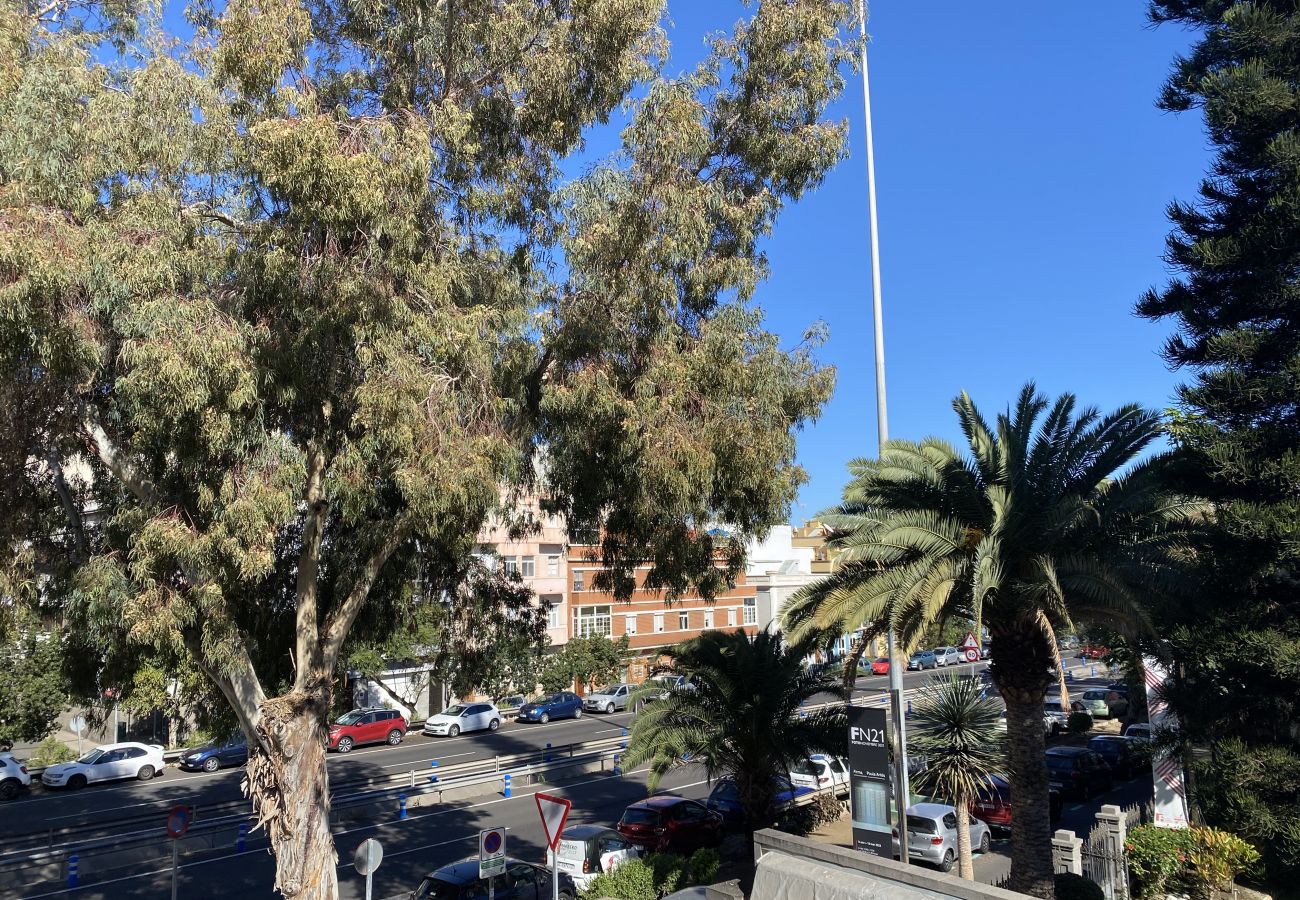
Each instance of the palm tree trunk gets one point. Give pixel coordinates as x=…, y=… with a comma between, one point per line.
x=1031, y=840
x=965, y=865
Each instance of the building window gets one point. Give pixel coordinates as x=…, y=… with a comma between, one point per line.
x=577, y=581
x=751, y=611
x=631, y=625
x=592, y=620
x=553, y=615
x=731, y=616
x=552, y=566
x=510, y=565
x=527, y=567
x=659, y=622
x=683, y=621
x=708, y=618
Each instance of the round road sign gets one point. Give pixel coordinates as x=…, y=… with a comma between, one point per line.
x=492, y=842
x=178, y=822
x=368, y=856
x=77, y=725
x=972, y=655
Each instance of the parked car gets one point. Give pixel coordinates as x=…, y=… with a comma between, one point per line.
x=608, y=699
x=923, y=659
x=1078, y=772
x=1092, y=702
x=880, y=665
x=669, y=682
x=1124, y=756
x=109, y=762
x=932, y=835
x=821, y=771
x=992, y=805
x=1139, y=731
x=1091, y=652
x=669, y=823
x=564, y=705
x=1056, y=717
x=986, y=650
x=947, y=656
x=216, y=755
x=462, y=717
x=371, y=725
x=510, y=703
x=521, y=881
x=1052, y=724
x=724, y=799
x=586, y=851
x=13, y=776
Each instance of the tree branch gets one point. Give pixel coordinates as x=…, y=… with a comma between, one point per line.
x=340, y=623
x=81, y=550
x=308, y=644
x=144, y=490
x=240, y=685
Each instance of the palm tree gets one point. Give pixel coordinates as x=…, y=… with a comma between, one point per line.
x=1028, y=533
x=739, y=716
x=955, y=728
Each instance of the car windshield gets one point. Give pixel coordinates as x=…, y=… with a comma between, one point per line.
x=806, y=767
x=638, y=816
x=456, y=710
x=90, y=757
x=922, y=825
x=917, y=655
x=437, y=890
x=1064, y=763
x=554, y=698
x=350, y=718
x=882, y=659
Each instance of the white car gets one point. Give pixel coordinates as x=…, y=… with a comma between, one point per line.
x=110, y=762
x=1139, y=731
x=608, y=699
x=947, y=656
x=13, y=776
x=1053, y=724
x=586, y=851
x=463, y=717
x=822, y=772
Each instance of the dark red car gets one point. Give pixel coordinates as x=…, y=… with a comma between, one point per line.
x=880, y=666
x=992, y=805
x=1094, y=652
x=670, y=824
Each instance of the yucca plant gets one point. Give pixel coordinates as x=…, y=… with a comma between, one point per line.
x=739, y=716
x=1028, y=532
x=955, y=728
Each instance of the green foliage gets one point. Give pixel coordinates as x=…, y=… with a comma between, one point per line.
x=1217, y=858
x=1157, y=858
x=50, y=752
x=703, y=866
x=1199, y=860
x=739, y=717
x=956, y=729
x=808, y=817
x=1075, y=887
x=594, y=660
x=1079, y=723
x=648, y=877
x=33, y=689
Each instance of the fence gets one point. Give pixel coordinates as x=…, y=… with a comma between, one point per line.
x=1101, y=857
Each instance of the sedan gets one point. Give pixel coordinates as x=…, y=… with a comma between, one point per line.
x=947, y=656
x=110, y=762
x=520, y=881
x=880, y=666
x=564, y=705
x=463, y=717
x=1122, y=754
x=217, y=754
x=671, y=824
x=1078, y=772
x=608, y=699
x=724, y=799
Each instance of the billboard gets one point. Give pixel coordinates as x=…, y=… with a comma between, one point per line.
x=1170, y=790
x=870, y=784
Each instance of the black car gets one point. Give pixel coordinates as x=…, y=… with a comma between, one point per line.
x=1124, y=759
x=521, y=881
x=216, y=755
x=1078, y=772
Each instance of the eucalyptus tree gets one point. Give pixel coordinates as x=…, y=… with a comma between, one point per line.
x=1029, y=532
x=299, y=287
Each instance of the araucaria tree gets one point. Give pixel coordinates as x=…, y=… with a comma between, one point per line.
x=1032, y=530
x=299, y=286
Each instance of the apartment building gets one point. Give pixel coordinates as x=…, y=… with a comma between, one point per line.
x=540, y=558
x=812, y=536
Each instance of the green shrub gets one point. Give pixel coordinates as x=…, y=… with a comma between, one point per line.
x=1079, y=722
x=49, y=752
x=669, y=872
x=1075, y=887
x=654, y=875
x=633, y=879
x=703, y=866
x=1217, y=858
x=1157, y=858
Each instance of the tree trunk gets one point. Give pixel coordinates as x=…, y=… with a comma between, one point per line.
x=965, y=865
x=289, y=786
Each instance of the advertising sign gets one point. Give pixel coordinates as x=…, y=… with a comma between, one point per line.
x=869, y=786
x=1170, y=805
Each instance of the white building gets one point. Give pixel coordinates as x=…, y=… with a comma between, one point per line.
x=777, y=568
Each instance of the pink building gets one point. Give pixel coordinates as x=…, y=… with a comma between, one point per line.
x=540, y=558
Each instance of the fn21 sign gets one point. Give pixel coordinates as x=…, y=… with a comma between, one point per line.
x=869, y=784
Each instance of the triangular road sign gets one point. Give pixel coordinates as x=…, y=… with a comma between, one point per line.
x=554, y=811
x=970, y=643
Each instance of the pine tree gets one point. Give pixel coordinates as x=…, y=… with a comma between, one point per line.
x=1236, y=303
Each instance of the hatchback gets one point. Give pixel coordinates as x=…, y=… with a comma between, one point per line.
x=564, y=705
x=608, y=699
x=586, y=851
x=1122, y=754
x=520, y=881
x=1078, y=772
x=13, y=776
x=923, y=659
x=367, y=726
x=671, y=824
x=1094, y=703
x=880, y=666
x=463, y=717
x=821, y=772
x=932, y=835
x=947, y=656
x=1139, y=731
x=992, y=804
x=212, y=756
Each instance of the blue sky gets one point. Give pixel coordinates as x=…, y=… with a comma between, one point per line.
x=1023, y=171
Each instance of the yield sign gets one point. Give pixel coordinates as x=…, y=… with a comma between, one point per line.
x=554, y=811
x=970, y=643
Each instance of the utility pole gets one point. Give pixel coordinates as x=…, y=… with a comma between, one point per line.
x=902, y=791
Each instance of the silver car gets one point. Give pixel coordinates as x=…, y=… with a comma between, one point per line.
x=932, y=835
x=947, y=656
x=608, y=699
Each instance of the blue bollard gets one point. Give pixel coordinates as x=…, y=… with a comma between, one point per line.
x=401, y=807
x=617, y=770
x=433, y=764
x=72, y=871
x=506, y=791
x=686, y=757
x=546, y=757
x=1069, y=675
x=242, y=841
x=1094, y=671
x=623, y=743
x=909, y=709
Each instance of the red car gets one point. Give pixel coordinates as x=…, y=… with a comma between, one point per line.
x=367, y=726
x=1094, y=652
x=880, y=666
x=668, y=823
x=992, y=805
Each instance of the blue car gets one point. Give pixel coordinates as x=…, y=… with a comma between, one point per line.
x=725, y=798
x=211, y=757
x=564, y=705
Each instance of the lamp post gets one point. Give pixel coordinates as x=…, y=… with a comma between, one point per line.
x=901, y=789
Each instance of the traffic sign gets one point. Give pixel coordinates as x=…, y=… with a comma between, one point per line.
x=972, y=655
x=369, y=855
x=178, y=822
x=77, y=725
x=970, y=643
x=554, y=811
x=491, y=852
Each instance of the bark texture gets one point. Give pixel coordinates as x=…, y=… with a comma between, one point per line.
x=965, y=865
x=289, y=787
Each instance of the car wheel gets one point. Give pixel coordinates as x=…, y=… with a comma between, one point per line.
x=145, y=773
x=211, y=764
x=453, y=731
x=609, y=709
x=494, y=725
x=395, y=737
x=946, y=865
x=544, y=718
x=345, y=745
x=8, y=790
x=577, y=713
x=984, y=843
x=77, y=782
x=565, y=895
